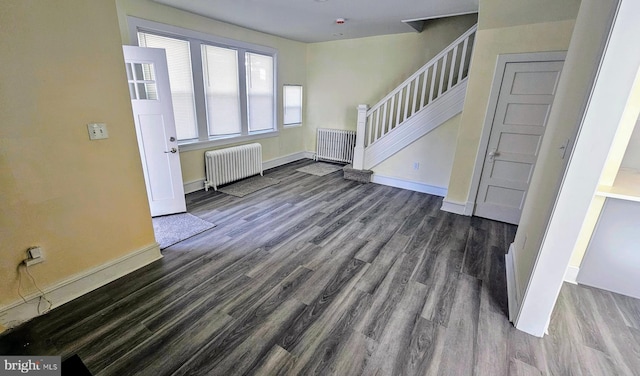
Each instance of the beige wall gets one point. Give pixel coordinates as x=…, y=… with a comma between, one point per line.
x=632, y=154
x=574, y=87
x=343, y=74
x=83, y=201
x=291, y=70
x=433, y=152
x=540, y=30
x=496, y=14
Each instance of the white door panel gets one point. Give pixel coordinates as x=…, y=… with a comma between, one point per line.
x=524, y=103
x=155, y=128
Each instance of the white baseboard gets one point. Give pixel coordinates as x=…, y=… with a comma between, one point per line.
x=194, y=186
x=457, y=207
x=408, y=184
x=286, y=159
x=571, y=274
x=18, y=312
x=198, y=185
x=512, y=284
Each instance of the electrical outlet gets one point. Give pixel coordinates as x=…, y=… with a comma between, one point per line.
x=34, y=256
x=97, y=131
x=416, y=166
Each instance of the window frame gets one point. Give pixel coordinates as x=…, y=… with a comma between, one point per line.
x=196, y=39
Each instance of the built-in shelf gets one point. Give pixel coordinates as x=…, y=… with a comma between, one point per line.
x=625, y=187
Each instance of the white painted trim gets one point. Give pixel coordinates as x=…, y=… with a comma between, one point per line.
x=422, y=122
x=194, y=186
x=223, y=141
x=441, y=16
x=492, y=105
x=458, y=207
x=571, y=274
x=195, y=38
x=617, y=83
x=408, y=184
x=136, y=23
x=286, y=159
x=71, y=288
x=512, y=283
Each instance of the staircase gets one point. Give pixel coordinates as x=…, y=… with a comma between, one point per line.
x=427, y=99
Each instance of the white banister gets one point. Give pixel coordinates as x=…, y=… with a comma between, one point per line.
x=426, y=85
x=438, y=74
x=463, y=38
x=358, y=152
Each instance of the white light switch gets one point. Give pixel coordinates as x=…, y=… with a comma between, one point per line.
x=97, y=131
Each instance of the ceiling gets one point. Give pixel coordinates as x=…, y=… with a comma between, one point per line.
x=315, y=20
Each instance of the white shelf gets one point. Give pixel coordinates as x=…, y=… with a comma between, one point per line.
x=625, y=187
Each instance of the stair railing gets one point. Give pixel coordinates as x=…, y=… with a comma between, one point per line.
x=436, y=77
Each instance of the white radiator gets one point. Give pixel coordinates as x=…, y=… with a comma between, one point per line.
x=231, y=164
x=335, y=145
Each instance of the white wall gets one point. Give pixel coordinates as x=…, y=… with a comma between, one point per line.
x=614, y=101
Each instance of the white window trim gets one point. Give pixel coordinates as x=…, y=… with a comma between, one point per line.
x=195, y=38
x=292, y=125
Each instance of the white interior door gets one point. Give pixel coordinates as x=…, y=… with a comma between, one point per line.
x=524, y=102
x=148, y=79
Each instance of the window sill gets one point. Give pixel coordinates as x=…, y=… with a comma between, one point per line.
x=296, y=125
x=222, y=141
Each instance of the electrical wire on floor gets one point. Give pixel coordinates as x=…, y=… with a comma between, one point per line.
x=43, y=296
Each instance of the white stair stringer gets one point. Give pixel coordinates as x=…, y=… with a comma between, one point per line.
x=422, y=122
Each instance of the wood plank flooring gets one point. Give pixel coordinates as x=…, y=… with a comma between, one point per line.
x=320, y=275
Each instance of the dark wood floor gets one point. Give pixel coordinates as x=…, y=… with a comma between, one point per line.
x=319, y=275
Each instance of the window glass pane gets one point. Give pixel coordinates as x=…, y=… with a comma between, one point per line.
x=129, y=74
x=180, y=79
x=259, y=91
x=222, y=90
x=292, y=104
x=142, y=91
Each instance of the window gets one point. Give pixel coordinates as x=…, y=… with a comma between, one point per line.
x=292, y=102
x=180, y=80
x=221, y=89
x=260, y=91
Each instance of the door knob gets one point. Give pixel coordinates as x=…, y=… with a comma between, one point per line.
x=494, y=153
x=173, y=150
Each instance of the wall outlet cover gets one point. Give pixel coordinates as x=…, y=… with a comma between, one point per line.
x=97, y=131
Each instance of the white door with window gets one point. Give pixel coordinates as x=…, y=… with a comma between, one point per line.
x=524, y=102
x=148, y=79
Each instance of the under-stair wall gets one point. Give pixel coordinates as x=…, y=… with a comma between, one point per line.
x=434, y=95
x=424, y=165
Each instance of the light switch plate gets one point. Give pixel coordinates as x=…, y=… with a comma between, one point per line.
x=97, y=131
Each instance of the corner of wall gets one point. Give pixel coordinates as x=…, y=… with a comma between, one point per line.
x=75, y=286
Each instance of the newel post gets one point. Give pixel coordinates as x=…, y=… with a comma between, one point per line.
x=358, y=153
